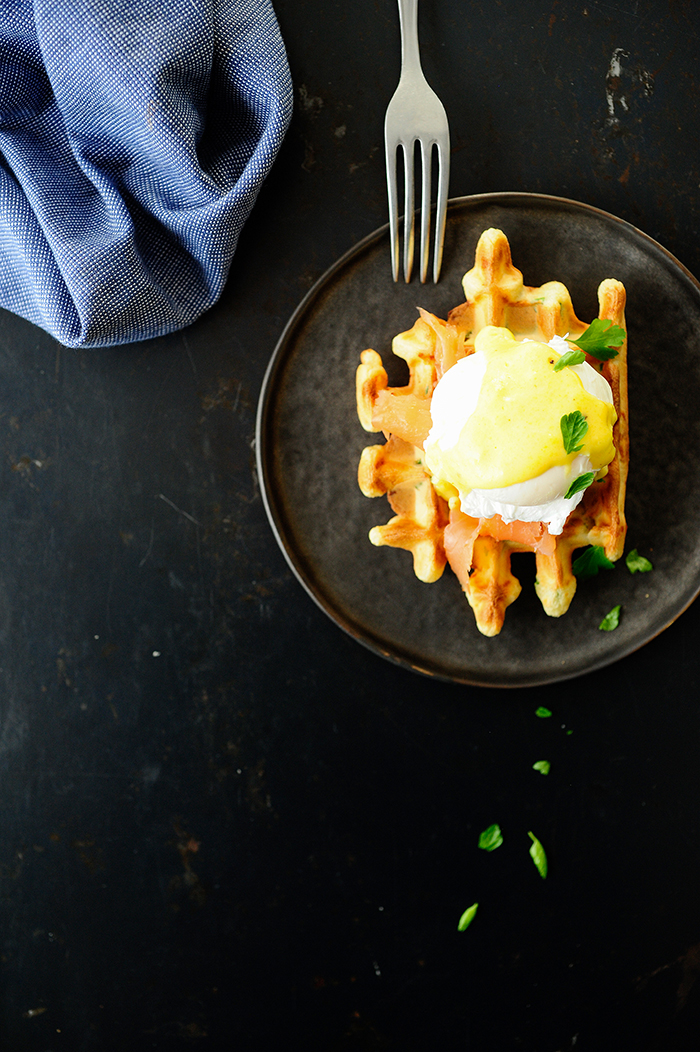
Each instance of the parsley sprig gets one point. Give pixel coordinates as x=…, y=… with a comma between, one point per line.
x=601, y=340
x=591, y=560
x=582, y=482
x=569, y=358
x=611, y=620
x=467, y=917
x=538, y=856
x=491, y=838
x=573, y=430
x=637, y=563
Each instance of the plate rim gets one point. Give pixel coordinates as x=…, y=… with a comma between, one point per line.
x=398, y=656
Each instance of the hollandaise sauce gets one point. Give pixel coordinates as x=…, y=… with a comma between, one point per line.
x=508, y=429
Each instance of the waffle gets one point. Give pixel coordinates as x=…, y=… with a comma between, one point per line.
x=495, y=295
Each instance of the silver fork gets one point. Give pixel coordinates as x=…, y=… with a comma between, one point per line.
x=415, y=115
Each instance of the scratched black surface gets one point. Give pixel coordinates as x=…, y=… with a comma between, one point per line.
x=223, y=822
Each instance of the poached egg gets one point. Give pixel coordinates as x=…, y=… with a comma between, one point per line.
x=496, y=443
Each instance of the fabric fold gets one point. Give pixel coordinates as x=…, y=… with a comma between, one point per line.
x=134, y=138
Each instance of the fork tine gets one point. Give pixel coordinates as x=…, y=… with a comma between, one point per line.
x=426, y=163
x=409, y=218
x=390, y=154
x=415, y=115
x=441, y=209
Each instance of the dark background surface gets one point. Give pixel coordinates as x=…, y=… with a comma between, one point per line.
x=225, y=824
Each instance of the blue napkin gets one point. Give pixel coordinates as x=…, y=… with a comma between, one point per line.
x=134, y=137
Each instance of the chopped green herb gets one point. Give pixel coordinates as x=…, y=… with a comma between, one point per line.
x=582, y=482
x=611, y=620
x=543, y=766
x=590, y=561
x=569, y=358
x=636, y=563
x=491, y=838
x=573, y=430
x=467, y=917
x=542, y=712
x=602, y=339
x=538, y=856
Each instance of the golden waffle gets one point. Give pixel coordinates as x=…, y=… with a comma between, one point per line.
x=495, y=295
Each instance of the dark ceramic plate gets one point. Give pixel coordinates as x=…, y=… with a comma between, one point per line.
x=309, y=442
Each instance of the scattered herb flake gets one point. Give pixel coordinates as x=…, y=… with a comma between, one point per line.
x=538, y=855
x=636, y=563
x=582, y=482
x=573, y=431
x=543, y=766
x=569, y=358
x=611, y=620
x=467, y=917
x=590, y=561
x=491, y=838
x=602, y=339
x=542, y=712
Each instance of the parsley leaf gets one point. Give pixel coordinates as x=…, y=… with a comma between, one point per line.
x=637, y=563
x=611, y=620
x=573, y=430
x=582, y=482
x=543, y=766
x=542, y=712
x=602, y=339
x=467, y=917
x=538, y=856
x=590, y=561
x=569, y=358
x=491, y=838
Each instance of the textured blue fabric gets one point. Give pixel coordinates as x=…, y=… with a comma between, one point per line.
x=134, y=137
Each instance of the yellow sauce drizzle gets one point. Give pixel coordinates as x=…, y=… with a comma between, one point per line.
x=514, y=434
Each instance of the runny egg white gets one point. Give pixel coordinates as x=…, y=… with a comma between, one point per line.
x=496, y=438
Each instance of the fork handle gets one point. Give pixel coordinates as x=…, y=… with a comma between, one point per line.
x=408, y=22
